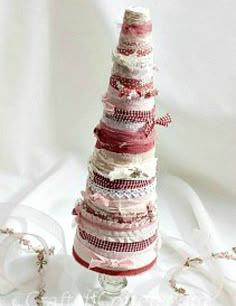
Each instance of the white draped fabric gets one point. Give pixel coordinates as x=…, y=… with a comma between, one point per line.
x=55, y=61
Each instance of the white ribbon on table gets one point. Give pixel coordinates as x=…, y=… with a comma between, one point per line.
x=48, y=224
x=18, y=268
x=204, y=242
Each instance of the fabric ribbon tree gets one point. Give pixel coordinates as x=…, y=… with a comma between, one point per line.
x=117, y=222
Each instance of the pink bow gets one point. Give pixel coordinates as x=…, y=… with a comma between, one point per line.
x=113, y=263
x=101, y=200
x=95, y=197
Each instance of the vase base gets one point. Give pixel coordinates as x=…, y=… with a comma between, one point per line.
x=99, y=297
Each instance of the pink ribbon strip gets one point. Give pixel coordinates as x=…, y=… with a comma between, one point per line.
x=136, y=29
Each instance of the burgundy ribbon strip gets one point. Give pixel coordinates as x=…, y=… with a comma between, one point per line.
x=120, y=184
x=131, y=116
x=123, y=141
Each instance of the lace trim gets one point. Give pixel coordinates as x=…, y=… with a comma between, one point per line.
x=121, y=193
x=140, y=74
x=133, y=61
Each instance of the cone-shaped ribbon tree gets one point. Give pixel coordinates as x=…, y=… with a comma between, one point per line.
x=117, y=224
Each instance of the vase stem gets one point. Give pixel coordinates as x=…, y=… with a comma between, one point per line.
x=112, y=292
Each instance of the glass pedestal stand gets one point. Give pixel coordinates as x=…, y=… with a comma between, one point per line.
x=112, y=292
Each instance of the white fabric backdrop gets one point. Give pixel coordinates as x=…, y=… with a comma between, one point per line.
x=55, y=60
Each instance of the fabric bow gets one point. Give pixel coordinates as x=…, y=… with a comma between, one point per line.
x=150, y=124
x=102, y=261
x=100, y=199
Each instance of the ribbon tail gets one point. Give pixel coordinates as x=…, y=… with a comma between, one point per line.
x=94, y=263
x=76, y=210
x=125, y=263
x=100, y=261
x=164, y=120
x=149, y=126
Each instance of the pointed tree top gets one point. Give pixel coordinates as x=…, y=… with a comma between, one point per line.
x=136, y=15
